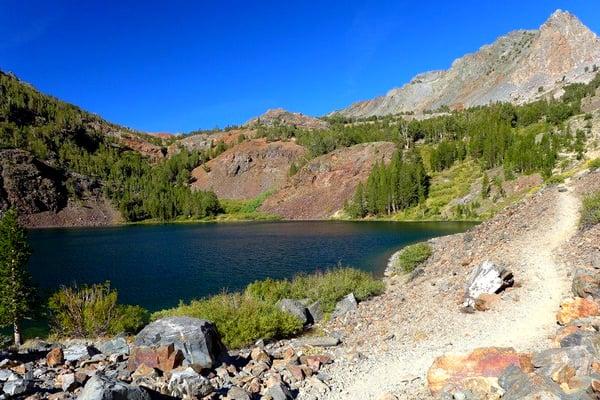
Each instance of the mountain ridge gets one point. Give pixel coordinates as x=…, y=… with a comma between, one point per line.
x=518, y=67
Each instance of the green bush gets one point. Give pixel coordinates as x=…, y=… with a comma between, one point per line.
x=243, y=318
x=412, y=256
x=590, y=211
x=326, y=287
x=555, y=180
x=240, y=319
x=93, y=311
x=594, y=164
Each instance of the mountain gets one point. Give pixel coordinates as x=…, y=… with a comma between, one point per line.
x=519, y=67
x=279, y=116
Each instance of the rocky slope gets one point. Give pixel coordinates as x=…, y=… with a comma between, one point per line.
x=248, y=169
x=279, y=116
x=321, y=187
x=518, y=67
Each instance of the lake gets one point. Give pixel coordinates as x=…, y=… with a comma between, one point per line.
x=155, y=266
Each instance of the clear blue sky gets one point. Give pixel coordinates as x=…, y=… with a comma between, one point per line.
x=181, y=65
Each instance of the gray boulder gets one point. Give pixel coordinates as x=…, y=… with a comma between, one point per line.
x=7, y=374
x=100, y=387
x=79, y=352
x=315, y=311
x=487, y=278
x=189, y=384
x=345, y=305
x=278, y=391
x=586, y=283
x=237, y=393
x=197, y=339
x=117, y=345
x=550, y=361
x=16, y=386
x=294, y=307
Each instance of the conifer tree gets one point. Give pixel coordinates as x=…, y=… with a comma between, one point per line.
x=16, y=290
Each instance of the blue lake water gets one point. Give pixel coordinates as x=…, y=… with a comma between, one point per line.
x=157, y=265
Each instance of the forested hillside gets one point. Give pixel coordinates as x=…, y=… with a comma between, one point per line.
x=439, y=162
x=82, y=147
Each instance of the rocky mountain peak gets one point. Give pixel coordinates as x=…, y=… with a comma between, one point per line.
x=518, y=67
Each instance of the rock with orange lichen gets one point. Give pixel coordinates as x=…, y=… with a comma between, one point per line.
x=573, y=309
x=480, y=368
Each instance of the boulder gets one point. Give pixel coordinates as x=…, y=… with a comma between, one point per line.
x=488, y=278
x=55, y=357
x=296, y=308
x=197, y=339
x=279, y=391
x=590, y=340
x=237, y=393
x=164, y=358
x=577, y=308
x=586, y=283
x=518, y=385
x=79, y=352
x=189, y=384
x=100, y=387
x=315, y=311
x=563, y=363
x=345, y=305
x=16, y=386
x=67, y=382
x=485, y=365
x=117, y=345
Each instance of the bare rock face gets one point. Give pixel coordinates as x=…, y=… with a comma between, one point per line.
x=29, y=184
x=205, y=141
x=248, y=169
x=321, y=187
x=279, y=116
x=518, y=67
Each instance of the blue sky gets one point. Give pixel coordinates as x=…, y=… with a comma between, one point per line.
x=174, y=66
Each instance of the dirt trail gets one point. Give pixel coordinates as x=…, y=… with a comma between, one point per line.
x=400, y=366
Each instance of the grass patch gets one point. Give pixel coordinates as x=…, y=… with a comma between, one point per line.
x=243, y=318
x=245, y=209
x=594, y=164
x=555, y=180
x=590, y=210
x=411, y=257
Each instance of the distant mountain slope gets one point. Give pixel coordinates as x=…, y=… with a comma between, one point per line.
x=519, y=67
x=248, y=169
x=279, y=116
x=321, y=187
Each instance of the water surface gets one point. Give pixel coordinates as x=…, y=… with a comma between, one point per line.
x=157, y=265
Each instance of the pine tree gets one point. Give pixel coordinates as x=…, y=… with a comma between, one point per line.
x=16, y=290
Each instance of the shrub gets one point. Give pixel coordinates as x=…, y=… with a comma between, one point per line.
x=555, y=180
x=412, y=256
x=594, y=164
x=326, y=287
x=590, y=211
x=92, y=311
x=241, y=319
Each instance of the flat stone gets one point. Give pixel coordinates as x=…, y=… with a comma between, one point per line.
x=321, y=341
x=573, y=309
